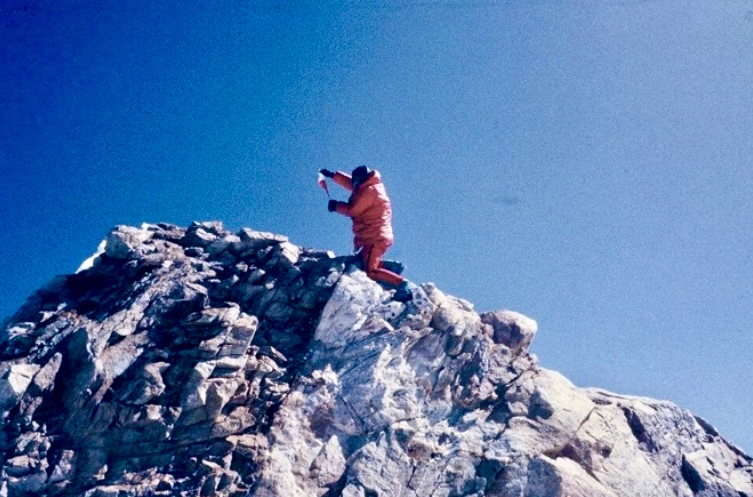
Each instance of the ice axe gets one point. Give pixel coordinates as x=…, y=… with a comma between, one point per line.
x=322, y=180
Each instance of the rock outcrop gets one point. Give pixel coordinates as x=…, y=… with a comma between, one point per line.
x=199, y=362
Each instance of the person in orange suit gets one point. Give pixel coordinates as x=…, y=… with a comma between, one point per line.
x=370, y=210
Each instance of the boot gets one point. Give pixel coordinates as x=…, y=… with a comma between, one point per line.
x=404, y=292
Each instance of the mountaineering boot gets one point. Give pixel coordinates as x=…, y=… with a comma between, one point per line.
x=396, y=267
x=404, y=292
x=392, y=265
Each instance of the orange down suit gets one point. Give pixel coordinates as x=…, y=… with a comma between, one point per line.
x=371, y=212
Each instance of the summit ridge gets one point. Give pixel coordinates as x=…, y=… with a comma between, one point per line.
x=198, y=362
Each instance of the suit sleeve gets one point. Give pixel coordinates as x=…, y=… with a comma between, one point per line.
x=343, y=180
x=357, y=205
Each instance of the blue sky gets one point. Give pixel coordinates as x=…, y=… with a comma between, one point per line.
x=585, y=163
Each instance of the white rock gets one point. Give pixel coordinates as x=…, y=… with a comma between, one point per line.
x=124, y=241
x=348, y=317
x=94, y=258
x=14, y=383
x=329, y=465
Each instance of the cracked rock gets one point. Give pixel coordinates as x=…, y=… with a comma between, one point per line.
x=199, y=362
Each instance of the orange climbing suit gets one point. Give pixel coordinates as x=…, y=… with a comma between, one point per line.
x=370, y=210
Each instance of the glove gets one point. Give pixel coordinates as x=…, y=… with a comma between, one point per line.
x=332, y=205
x=327, y=173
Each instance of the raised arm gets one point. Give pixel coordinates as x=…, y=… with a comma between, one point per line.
x=344, y=180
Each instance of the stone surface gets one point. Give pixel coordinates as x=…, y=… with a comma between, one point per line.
x=196, y=362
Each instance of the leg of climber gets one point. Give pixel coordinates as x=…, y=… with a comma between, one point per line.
x=371, y=257
x=372, y=262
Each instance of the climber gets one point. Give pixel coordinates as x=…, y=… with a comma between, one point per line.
x=370, y=209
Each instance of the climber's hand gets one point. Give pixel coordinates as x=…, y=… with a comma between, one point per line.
x=332, y=205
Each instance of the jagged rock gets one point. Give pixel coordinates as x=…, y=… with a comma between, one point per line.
x=14, y=382
x=511, y=329
x=198, y=238
x=125, y=241
x=198, y=362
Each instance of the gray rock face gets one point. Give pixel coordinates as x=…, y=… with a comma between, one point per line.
x=199, y=362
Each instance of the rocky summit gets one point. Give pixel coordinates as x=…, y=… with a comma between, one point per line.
x=199, y=362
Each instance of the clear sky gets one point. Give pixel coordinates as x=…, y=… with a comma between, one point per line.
x=587, y=163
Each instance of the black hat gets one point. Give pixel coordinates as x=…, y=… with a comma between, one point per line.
x=361, y=173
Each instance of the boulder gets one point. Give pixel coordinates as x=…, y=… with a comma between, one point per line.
x=512, y=329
